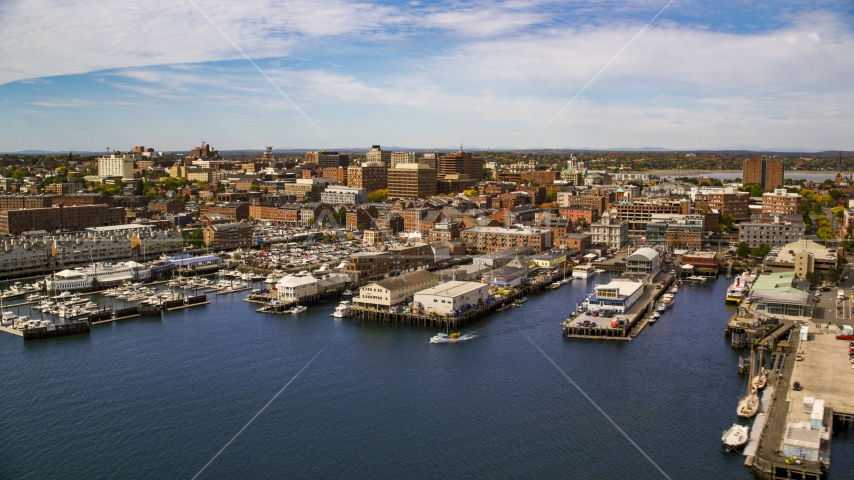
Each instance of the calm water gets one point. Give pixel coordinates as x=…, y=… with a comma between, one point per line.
x=812, y=177
x=158, y=398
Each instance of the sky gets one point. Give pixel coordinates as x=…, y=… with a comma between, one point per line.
x=327, y=74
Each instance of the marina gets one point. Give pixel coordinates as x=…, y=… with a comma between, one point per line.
x=185, y=336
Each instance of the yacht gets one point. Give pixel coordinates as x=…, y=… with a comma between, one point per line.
x=736, y=436
x=583, y=271
x=7, y=319
x=342, y=310
x=82, y=278
x=273, y=277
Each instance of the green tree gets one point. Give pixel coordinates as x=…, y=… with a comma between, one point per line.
x=726, y=222
x=833, y=274
x=761, y=251
x=551, y=197
x=378, y=195
x=825, y=233
x=254, y=188
x=839, y=212
x=743, y=249
x=755, y=189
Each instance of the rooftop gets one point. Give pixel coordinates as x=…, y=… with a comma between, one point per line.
x=452, y=289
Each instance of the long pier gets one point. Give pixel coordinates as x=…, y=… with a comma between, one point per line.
x=634, y=320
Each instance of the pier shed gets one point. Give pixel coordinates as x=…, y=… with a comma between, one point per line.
x=451, y=298
x=617, y=296
x=644, y=260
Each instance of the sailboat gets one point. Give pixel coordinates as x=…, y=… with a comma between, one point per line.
x=761, y=378
x=748, y=405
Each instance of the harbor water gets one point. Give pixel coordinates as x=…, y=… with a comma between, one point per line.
x=159, y=397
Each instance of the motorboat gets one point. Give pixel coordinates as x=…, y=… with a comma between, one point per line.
x=555, y=285
x=661, y=308
x=736, y=436
x=297, y=309
x=348, y=293
x=35, y=297
x=7, y=319
x=450, y=338
x=667, y=300
x=342, y=310
x=674, y=289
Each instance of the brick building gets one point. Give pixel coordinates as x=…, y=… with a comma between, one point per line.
x=234, y=211
x=371, y=176
x=493, y=239
x=228, y=235
x=411, y=180
x=166, y=206
x=74, y=218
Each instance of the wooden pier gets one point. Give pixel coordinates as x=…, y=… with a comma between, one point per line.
x=635, y=318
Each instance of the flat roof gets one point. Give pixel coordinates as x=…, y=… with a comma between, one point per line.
x=452, y=289
x=626, y=287
x=126, y=226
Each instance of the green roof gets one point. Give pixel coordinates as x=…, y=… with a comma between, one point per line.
x=776, y=282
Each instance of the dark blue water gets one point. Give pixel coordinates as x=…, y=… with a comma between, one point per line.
x=158, y=398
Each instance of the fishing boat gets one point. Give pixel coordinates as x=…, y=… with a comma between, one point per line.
x=667, y=300
x=450, y=337
x=583, y=271
x=342, y=310
x=736, y=436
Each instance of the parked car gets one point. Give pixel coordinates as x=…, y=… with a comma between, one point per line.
x=797, y=386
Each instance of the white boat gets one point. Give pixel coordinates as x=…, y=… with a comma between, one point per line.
x=740, y=287
x=661, y=308
x=736, y=436
x=347, y=293
x=555, y=285
x=674, y=289
x=7, y=319
x=583, y=271
x=297, y=309
x=667, y=300
x=452, y=338
x=35, y=297
x=342, y=310
x=82, y=278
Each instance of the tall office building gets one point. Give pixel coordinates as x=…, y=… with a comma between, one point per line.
x=402, y=157
x=377, y=154
x=461, y=162
x=328, y=159
x=411, y=180
x=767, y=172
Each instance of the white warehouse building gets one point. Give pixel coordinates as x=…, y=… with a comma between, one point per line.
x=451, y=297
x=293, y=287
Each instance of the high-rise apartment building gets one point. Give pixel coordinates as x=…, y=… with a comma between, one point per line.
x=730, y=202
x=411, y=180
x=371, y=176
x=763, y=171
x=377, y=154
x=117, y=165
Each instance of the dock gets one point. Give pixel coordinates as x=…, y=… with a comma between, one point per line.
x=635, y=318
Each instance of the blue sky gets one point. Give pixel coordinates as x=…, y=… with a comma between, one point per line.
x=87, y=75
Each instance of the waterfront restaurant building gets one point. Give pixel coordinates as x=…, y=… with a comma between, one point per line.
x=644, y=260
x=393, y=292
x=617, y=296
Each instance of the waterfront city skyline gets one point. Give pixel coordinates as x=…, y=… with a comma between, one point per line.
x=427, y=75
